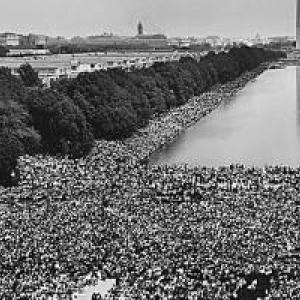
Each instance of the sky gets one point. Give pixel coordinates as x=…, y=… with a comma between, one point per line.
x=230, y=18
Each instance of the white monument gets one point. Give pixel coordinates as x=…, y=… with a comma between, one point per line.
x=298, y=26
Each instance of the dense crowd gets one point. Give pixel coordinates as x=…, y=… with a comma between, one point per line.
x=212, y=233
x=161, y=232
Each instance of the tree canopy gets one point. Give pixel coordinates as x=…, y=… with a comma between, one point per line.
x=29, y=77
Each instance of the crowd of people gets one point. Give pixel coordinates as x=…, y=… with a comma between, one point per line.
x=211, y=233
x=162, y=232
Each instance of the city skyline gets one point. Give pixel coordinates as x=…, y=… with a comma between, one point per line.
x=71, y=18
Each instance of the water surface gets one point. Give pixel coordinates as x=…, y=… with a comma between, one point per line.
x=259, y=126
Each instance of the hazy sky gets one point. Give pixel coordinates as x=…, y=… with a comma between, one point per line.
x=172, y=17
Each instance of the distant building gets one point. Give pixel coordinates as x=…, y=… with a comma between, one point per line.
x=151, y=40
x=185, y=43
x=179, y=42
x=106, y=40
x=257, y=39
x=33, y=41
x=12, y=39
x=281, y=39
x=174, y=42
x=28, y=52
x=37, y=40
x=213, y=40
x=156, y=36
x=9, y=39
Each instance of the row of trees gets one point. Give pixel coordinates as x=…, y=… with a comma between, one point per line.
x=66, y=118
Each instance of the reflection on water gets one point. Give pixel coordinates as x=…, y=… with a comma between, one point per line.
x=259, y=126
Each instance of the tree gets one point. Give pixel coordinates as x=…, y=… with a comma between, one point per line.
x=29, y=77
x=70, y=133
x=10, y=149
x=61, y=123
x=3, y=51
x=17, y=137
x=15, y=119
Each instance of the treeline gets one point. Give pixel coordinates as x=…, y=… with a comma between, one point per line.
x=66, y=118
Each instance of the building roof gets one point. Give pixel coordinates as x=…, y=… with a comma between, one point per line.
x=151, y=37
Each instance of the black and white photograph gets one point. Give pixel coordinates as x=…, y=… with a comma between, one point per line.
x=150, y=150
